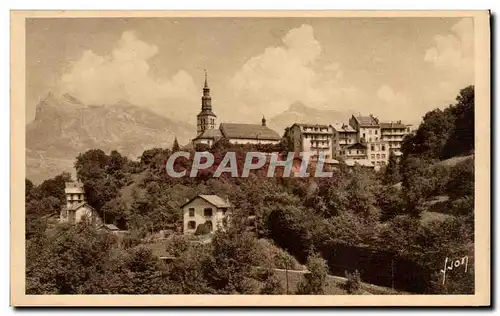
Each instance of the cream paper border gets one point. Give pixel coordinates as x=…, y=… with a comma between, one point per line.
x=482, y=187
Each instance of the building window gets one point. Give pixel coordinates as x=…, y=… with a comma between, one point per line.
x=364, y=135
x=191, y=225
x=191, y=212
x=370, y=131
x=376, y=138
x=207, y=212
x=383, y=147
x=373, y=156
x=378, y=156
x=376, y=132
x=372, y=148
x=383, y=156
x=349, y=151
x=357, y=152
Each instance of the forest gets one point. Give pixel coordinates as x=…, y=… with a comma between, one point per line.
x=393, y=228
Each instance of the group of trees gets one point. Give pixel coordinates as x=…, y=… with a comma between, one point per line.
x=307, y=217
x=445, y=133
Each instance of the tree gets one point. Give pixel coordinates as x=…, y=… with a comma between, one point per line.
x=461, y=182
x=418, y=182
x=461, y=140
x=390, y=201
x=91, y=165
x=314, y=281
x=233, y=255
x=175, y=146
x=272, y=285
x=55, y=186
x=392, y=175
x=63, y=262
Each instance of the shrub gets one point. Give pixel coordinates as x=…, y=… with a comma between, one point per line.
x=353, y=283
x=202, y=229
x=314, y=281
x=272, y=285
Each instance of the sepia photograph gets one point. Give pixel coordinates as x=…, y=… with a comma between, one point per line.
x=250, y=158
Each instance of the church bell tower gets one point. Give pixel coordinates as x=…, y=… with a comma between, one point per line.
x=206, y=118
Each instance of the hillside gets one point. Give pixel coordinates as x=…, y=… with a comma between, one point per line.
x=64, y=127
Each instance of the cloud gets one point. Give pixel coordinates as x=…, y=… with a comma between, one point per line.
x=453, y=56
x=270, y=82
x=392, y=105
x=123, y=74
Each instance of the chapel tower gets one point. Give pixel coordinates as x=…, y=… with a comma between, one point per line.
x=206, y=118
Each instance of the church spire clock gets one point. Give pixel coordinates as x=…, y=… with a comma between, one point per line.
x=206, y=118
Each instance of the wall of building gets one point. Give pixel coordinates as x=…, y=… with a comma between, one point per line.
x=378, y=153
x=199, y=206
x=74, y=198
x=84, y=212
x=209, y=142
x=369, y=134
x=394, y=137
x=341, y=140
x=205, y=122
x=252, y=141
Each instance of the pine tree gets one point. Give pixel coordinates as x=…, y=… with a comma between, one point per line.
x=175, y=146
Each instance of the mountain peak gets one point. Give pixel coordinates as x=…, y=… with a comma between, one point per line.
x=297, y=107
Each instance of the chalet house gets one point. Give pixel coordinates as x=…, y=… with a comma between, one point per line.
x=210, y=210
x=77, y=208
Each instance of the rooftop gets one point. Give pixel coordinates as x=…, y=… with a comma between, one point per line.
x=367, y=120
x=341, y=127
x=248, y=131
x=357, y=146
x=210, y=134
x=212, y=199
x=397, y=124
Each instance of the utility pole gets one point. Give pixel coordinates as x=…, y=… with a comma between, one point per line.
x=392, y=273
x=286, y=276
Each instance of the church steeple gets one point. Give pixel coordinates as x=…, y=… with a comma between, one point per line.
x=206, y=118
x=206, y=81
x=206, y=100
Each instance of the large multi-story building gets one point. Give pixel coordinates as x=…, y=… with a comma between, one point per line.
x=369, y=134
x=368, y=128
x=378, y=153
x=313, y=138
x=393, y=133
x=236, y=133
x=343, y=136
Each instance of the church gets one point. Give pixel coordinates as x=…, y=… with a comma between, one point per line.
x=235, y=133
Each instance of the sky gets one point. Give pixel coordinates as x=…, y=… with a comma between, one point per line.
x=394, y=68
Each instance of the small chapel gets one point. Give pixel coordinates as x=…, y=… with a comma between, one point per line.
x=235, y=133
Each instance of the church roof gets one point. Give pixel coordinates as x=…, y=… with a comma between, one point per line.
x=210, y=134
x=207, y=112
x=248, y=131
